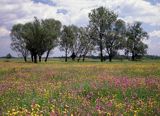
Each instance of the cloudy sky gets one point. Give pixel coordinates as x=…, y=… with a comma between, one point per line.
x=76, y=12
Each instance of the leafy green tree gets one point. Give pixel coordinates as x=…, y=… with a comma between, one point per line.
x=40, y=36
x=32, y=33
x=80, y=42
x=52, y=29
x=66, y=40
x=76, y=40
x=135, y=44
x=17, y=41
x=115, y=38
x=8, y=56
x=86, y=43
x=100, y=21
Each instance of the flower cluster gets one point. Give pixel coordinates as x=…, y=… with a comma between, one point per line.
x=61, y=89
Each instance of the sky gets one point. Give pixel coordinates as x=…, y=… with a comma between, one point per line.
x=76, y=12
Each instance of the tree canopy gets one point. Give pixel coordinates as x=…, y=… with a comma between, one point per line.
x=101, y=20
x=135, y=37
x=105, y=34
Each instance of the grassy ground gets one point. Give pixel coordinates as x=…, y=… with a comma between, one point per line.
x=89, y=88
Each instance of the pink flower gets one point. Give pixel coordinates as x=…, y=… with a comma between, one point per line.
x=109, y=104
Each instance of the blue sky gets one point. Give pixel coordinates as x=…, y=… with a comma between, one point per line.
x=76, y=12
x=153, y=1
x=48, y=2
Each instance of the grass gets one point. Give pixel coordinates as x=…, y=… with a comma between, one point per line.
x=93, y=88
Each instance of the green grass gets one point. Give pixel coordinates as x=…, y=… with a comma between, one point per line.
x=72, y=88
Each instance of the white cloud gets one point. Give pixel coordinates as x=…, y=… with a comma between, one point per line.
x=4, y=32
x=137, y=10
x=21, y=11
x=155, y=34
x=130, y=10
x=154, y=46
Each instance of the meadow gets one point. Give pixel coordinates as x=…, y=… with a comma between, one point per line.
x=78, y=89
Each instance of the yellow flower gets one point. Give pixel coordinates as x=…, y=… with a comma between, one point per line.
x=64, y=112
x=135, y=113
x=37, y=105
x=66, y=106
x=108, y=114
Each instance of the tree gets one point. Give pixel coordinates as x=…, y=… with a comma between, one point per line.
x=135, y=37
x=100, y=21
x=31, y=34
x=41, y=36
x=36, y=37
x=66, y=40
x=80, y=42
x=86, y=43
x=75, y=46
x=18, y=43
x=115, y=38
x=52, y=32
x=9, y=56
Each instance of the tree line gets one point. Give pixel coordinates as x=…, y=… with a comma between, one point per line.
x=106, y=33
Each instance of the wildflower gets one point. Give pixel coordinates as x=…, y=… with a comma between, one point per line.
x=98, y=107
x=108, y=114
x=66, y=106
x=135, y=113
x=109, y=104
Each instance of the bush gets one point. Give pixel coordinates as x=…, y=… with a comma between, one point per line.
x=8, y=56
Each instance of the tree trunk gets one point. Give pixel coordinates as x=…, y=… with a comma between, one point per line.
x=35, y=58
x=40, y=57
x=25, y=58
x=110, y=58
x=84, y=57
x=32, y=57
x=127, y=56
x=66, y=55
x=47, y=55
x=79, y=58
x=101, y=53
x=101, y=48
x=133, y=56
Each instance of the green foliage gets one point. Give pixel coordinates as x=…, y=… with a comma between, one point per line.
x=106, y=33
x=109, y=31
x=37, y=37
x=66, y=40
x=18, y=42
x=8, y=56
x=115, y=38
x=85, y=43
x=135, y=44
x=101, y=19
x=52, y=32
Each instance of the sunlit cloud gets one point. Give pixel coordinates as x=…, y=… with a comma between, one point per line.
x=76, y=12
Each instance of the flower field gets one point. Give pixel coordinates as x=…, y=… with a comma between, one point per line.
x=79, y=89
